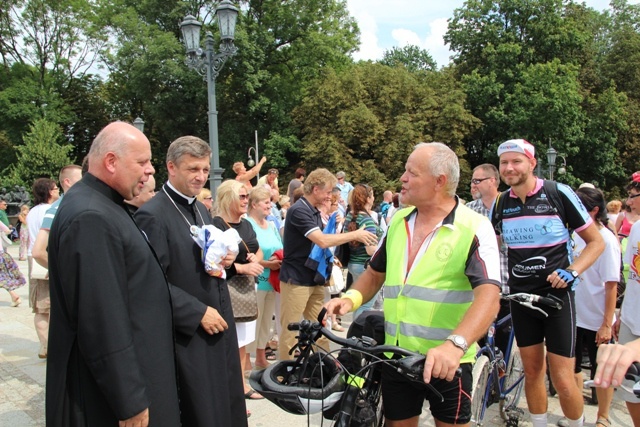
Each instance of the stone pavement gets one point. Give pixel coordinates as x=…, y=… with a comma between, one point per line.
x=22, y=380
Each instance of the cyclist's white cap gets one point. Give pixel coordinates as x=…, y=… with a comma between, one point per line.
x=517, y=146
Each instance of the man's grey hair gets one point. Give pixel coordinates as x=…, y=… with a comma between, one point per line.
x=191, y=145
x=443, y=161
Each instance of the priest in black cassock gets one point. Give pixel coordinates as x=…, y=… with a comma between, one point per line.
x=211, y=391
x=111, y=348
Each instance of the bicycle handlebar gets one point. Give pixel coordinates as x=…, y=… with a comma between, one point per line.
x=528, y=300
x=633, y=374
x=411, y=366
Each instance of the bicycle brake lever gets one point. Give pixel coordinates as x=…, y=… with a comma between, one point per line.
x=533, y=307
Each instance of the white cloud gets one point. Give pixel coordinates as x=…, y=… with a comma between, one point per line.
x=369, y=48
x=435, y=41
x=406, y=37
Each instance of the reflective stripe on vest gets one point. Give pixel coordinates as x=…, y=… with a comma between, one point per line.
x=422, y=312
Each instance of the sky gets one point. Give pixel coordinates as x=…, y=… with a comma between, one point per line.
x=385, y=24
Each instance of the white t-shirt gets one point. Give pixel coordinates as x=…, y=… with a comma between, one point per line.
x=590, y=292
x=34, y=221
x=630, y=312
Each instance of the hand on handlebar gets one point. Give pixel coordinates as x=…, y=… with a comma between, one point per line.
x=339, y=306
x=442, y=362
x=613, y=360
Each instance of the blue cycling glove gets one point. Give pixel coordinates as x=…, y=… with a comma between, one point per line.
x=566, y=275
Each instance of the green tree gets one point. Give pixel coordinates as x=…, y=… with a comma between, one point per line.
x=532, y=69
x=410, y=56
x=42, y=155
x=367, y=119
x=281, y=49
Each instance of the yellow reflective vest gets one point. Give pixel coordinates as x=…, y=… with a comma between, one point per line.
x=424, y=308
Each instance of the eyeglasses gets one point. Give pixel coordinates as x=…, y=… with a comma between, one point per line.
x=55, y=189
x=243, y=196
x=208, y=198
x=477, y=181
x=632, y=196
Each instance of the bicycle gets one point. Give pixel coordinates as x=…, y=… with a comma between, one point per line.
x=347, y=389
x=499, y=377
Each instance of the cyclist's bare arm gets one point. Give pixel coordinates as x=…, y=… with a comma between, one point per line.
x=444, y=360
x=613, y=361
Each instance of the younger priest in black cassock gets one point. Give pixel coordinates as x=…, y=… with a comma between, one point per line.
x=211, y=391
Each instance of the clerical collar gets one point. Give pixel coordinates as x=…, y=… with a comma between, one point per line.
x=189, y=200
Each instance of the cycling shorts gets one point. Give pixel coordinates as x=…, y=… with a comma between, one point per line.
x=403, y=399
x=558, y=330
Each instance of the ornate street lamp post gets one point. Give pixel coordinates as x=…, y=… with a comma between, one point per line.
x=551, y=160
x=208, y=63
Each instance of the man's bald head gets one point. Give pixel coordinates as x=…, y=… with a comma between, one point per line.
x=120, y=156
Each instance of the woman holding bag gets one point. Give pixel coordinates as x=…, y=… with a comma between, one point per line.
x=270, y=241
x=232, y=200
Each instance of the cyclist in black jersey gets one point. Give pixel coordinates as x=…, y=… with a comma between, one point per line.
x=540, y=262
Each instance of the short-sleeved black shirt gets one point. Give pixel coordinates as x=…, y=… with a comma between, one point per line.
x=302, y=219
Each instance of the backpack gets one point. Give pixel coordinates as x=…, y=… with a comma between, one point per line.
x=553, y=195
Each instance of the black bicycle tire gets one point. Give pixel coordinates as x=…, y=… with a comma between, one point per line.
x=515, y=370
x=481, y=373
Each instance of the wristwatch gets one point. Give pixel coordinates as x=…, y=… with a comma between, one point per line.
x=459, y=341
x=573, y=273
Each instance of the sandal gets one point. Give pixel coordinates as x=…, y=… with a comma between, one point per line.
x=248, y=395
x=603, y=422
x=336, y=327
x=16, y=302
x=270, y=355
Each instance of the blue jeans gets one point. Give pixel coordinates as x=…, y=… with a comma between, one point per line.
x=356, y=271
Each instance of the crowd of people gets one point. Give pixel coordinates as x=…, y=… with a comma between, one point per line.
x=138, y=329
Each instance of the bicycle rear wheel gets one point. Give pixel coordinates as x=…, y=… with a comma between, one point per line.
x=515, y=371
x=481, y=372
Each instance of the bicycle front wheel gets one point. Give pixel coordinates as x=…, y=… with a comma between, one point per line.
x=515, y=373
x=481, y=372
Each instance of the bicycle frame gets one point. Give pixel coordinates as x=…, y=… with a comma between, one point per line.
x=496, y=383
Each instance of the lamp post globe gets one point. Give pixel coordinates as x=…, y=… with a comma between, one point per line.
x=227, y=15
x=208, y=63
x=138, y=123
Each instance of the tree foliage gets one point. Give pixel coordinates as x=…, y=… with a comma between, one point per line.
x=368, y=118
x=410, y=56
x=42, y=155
x=534, y=70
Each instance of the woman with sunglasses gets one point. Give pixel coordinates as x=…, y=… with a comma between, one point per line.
x=232, y=201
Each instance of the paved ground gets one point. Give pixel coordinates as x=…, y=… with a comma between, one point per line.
x=22, y=380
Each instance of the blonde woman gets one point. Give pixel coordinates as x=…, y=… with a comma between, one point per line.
x=270, y=242
x=232, y=201
x=207, y=199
